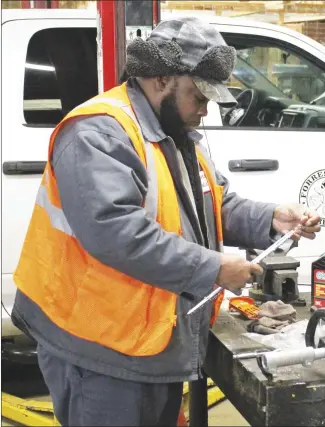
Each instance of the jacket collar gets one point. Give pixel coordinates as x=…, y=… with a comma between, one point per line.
x=146, y=117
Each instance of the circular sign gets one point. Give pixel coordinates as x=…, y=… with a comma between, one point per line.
x=312, y=193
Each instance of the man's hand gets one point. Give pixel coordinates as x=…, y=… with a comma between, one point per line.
x=235, y=271
x=288, y=216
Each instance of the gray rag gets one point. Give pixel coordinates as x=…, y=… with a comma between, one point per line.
x=272, y=317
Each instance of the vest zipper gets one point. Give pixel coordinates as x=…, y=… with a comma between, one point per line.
x=174, y=319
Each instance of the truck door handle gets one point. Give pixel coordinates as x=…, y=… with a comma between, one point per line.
x=23, y=168
x=248, y=165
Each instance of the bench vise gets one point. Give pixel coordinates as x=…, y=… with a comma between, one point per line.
x=279, y=280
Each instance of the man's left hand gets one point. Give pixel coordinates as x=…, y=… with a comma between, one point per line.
x=288, y=216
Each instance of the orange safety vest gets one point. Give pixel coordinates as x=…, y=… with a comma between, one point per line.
x=80, y=294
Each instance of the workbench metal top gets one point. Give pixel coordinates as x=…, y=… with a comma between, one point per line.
x=295, y=397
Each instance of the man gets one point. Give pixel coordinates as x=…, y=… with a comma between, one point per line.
x=127, y=235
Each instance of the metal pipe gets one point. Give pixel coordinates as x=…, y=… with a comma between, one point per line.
x=250, y=354
x=301, y=356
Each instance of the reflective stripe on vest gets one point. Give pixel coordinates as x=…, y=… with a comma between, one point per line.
x=78, y=293
x=56, y=215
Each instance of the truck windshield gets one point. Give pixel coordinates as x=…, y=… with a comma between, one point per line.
x=279, y=73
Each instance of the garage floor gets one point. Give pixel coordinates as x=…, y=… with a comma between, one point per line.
x=223, y=414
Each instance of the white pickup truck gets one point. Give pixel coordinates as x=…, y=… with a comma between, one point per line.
x=272, y=147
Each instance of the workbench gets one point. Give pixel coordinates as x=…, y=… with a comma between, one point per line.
x=295, y=397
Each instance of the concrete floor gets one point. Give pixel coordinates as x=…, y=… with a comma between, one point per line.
x=223, y=414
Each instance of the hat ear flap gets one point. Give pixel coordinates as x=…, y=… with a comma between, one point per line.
x=171, y=50
x=146, y=59
x=217, y=63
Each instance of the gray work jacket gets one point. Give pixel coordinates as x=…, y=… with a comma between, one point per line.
x=102, y=185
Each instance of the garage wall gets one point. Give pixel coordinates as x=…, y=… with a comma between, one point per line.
x=315, y=30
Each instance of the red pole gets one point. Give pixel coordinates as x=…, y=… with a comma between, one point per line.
x=25, y=4
x=55, y=4
x=155, y=13
x=107, y=75
x=40, y=4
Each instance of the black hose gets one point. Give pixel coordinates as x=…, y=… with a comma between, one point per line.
x=5, y=309
x=311, y=327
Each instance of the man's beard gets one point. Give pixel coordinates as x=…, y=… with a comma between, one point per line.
x=171, y=121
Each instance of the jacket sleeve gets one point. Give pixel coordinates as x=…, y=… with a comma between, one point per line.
x=246, y=223
x=102, y=185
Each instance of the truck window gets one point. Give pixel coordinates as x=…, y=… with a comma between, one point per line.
x=60, y=73
x=274, y=69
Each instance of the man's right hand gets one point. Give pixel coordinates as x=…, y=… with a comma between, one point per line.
x=235, y=272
